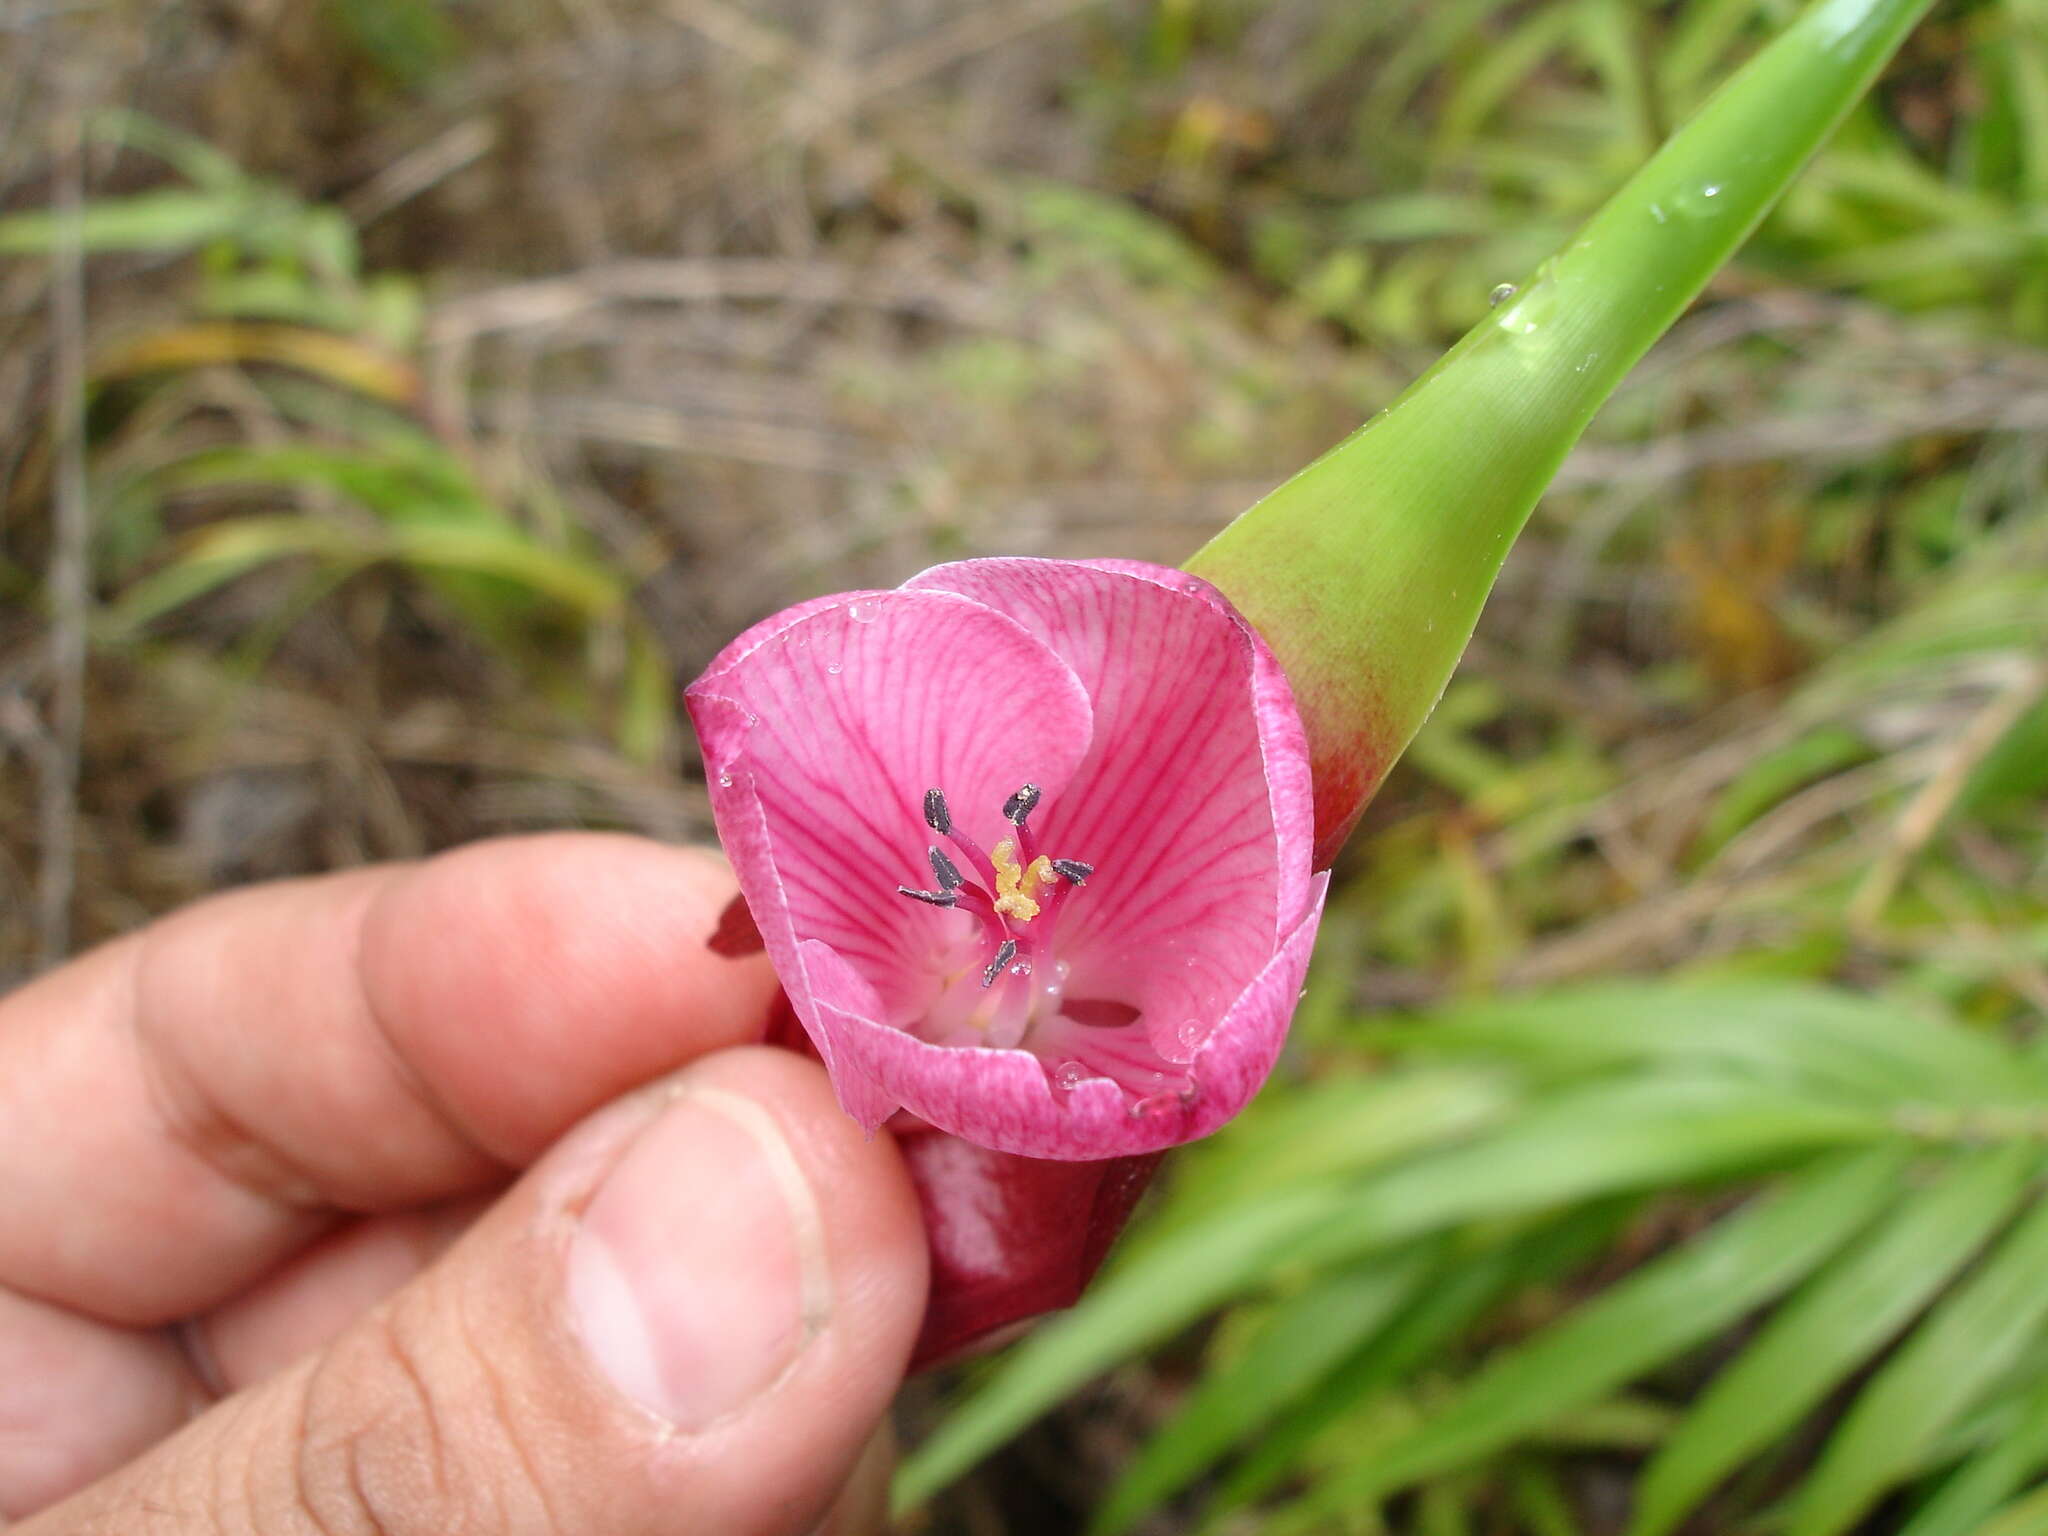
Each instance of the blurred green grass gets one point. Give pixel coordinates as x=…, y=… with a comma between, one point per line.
x=458, y=378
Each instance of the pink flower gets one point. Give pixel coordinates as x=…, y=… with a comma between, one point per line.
x=1028, y=842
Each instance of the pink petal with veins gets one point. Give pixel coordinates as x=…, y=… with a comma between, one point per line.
x=1169, y=757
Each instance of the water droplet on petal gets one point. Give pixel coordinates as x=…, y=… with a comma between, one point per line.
x=1021, y=968
x=1192, y=588
x=725, y=781
x=1167, y=1091
x=834, y=670
x=1193, y=1032
x=1501, y=294
x=1070, y=1075
x=863, y=613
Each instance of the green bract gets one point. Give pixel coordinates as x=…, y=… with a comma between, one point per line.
x=1367, y=570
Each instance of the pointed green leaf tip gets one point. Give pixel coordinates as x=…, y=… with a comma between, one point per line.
x=1366, y=571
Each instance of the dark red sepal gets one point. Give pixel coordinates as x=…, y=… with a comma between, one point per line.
x=736, y=937
x=1011, y=1237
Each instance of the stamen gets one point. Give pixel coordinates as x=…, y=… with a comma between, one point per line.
x=1015, y=908
x=1017, y=812
x=1005, y=953
x=976, y=902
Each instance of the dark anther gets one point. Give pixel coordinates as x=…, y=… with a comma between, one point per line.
x=945, y=870
x=1073, y=869
x=936, y=816
x=931, y=898
x=1019, y=805
x=1005, y=953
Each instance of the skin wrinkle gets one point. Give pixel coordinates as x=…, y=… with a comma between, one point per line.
x=186, y=1121
x=423, y=1436
x=415, y=1087
x=508, y=1420
x=303, y=1498
x=433, y=1433
x=175, y=1475
x=198, y=1123
x=356, y=1486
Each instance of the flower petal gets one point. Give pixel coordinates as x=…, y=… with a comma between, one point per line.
x=1003, y=1100
x=1282, y=740
x=865, y=702
x=1193, y=803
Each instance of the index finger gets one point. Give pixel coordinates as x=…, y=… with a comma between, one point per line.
x=185, y=1106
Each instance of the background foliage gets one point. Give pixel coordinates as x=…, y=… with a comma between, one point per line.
x=418, y=389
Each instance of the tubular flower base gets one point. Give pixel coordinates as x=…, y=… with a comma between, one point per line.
x=1028, y=842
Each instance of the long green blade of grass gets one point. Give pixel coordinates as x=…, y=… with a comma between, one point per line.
x=1810, y=1346
x=1986, y=1480
x=1976, y=1333
x=1608, y=1138
x=1304, y=1340
x=1665, y=1307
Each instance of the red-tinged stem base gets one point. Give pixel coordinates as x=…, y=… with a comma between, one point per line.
x=1011, y=1237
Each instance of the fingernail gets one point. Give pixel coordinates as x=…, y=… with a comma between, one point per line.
x=697, y=1274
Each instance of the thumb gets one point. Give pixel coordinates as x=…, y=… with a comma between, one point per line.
x=689, y=1317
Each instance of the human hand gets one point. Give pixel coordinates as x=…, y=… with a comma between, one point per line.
x=362, y=1203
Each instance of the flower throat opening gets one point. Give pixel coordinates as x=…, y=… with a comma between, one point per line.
x=1019, y=906
x=1017, y=899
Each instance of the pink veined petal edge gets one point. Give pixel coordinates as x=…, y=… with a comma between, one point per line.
x=1171, y=757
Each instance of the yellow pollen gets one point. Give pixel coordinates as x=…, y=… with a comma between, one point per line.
x=1017, y=888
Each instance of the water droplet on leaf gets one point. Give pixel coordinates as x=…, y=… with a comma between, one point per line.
x=1501, y=294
